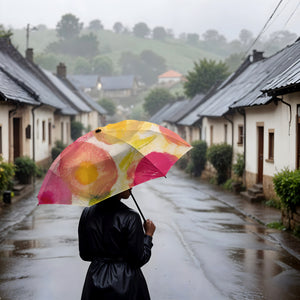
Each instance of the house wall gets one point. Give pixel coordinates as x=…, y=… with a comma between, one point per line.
x=4, y=119
x=83, y=118
x=24, y=114
x=282, y=122
x=169, y=79
x=238, y=148
x=44, y=134
x=62, y=129
x=213, y=131
x=93, y=120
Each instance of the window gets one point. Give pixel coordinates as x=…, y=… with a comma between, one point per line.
x=225, y=133
x=49, y=132
x=211, y=134
x=44, y=130
x=271, y=145
x=37, y=129
x=240, y=135
x=62, y=131
x=0, y=139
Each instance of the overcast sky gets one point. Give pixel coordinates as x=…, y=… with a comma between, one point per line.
x=190, y=16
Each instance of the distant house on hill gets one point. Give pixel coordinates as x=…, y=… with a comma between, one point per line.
x=118, y=86
x=85, y=83
x=170, y=77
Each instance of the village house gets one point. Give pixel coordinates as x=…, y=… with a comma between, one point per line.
x=246, y=112
x=170, y=76
x=118, y=87
x=35, y=111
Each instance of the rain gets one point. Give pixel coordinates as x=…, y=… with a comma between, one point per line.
x=70, y=68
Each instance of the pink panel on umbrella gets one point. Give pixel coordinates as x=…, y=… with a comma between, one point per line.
x=153, y=165
x=54, y=190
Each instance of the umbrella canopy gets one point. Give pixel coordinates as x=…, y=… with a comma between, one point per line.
x=109, y=160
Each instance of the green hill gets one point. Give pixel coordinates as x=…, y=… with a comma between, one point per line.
x=178, y=55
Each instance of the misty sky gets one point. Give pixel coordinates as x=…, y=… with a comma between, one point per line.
x=190, y=16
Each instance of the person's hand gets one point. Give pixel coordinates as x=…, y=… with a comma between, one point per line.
x=149, y=227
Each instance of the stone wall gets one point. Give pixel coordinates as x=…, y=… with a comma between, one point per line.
x=291, y=220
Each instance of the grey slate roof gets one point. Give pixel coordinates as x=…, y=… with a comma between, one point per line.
x=92, y=103
x=168, y=110
x=117, y=82
x=245, y=89
x=30, y=78
x=290, y=77
x=11, y=90
x=83, y=81
x=72, y=97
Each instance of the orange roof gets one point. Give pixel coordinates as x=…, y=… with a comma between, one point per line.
x=169, y=74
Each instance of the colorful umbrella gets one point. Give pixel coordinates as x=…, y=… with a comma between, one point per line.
x=109, y=160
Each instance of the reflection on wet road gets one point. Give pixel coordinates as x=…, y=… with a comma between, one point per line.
x=203, y=249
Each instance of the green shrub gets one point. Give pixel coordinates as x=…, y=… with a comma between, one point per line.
x=273, y=203
x=239, y=166
x=228, y=184
x=76, y=130
x=59, y=147
x=287, y=187
x=197, y=158
x=7, y=172
x=25, y=168
x=220, y=156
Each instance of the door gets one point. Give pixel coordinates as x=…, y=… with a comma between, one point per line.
x=17, y=137
x=260, y=156
x=298, y=139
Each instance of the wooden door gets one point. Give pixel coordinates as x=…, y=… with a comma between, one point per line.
x=17, y=137
x=298, y=143
x=260, y=154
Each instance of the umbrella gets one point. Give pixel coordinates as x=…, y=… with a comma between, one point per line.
x=109, y=160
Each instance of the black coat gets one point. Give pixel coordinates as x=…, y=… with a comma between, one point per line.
x=111, y=236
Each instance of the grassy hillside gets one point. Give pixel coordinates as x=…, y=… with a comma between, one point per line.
x=178, y=55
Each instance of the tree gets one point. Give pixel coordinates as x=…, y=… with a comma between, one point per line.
x=108, y=105
x=68, y=27
x=246, y=37
x=4, y=32
x=141, y=30
x=192, y=38
x=95, y=25
x=155, y=65
x=118, y=27
x=156, y=99
x=214, y=41
x=205, y=74
x=102, y=65
x=82, y=66
x=159, y=33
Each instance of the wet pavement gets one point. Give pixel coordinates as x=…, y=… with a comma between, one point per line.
x=209, y=244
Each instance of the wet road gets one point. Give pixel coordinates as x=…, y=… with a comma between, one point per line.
x=203, y=249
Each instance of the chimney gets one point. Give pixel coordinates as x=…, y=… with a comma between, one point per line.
x=29, y=54
x=257, y=55
x=61, y=70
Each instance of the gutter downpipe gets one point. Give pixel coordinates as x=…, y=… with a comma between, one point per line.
x=11, y=113
x=290, y=121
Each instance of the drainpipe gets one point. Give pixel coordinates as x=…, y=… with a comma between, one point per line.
x=290, y=121
x=11, y=113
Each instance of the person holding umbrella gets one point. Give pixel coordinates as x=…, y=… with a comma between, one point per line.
x=111, y=236
x=98, y=170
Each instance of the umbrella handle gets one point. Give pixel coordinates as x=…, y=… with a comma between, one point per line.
x=138, y=207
